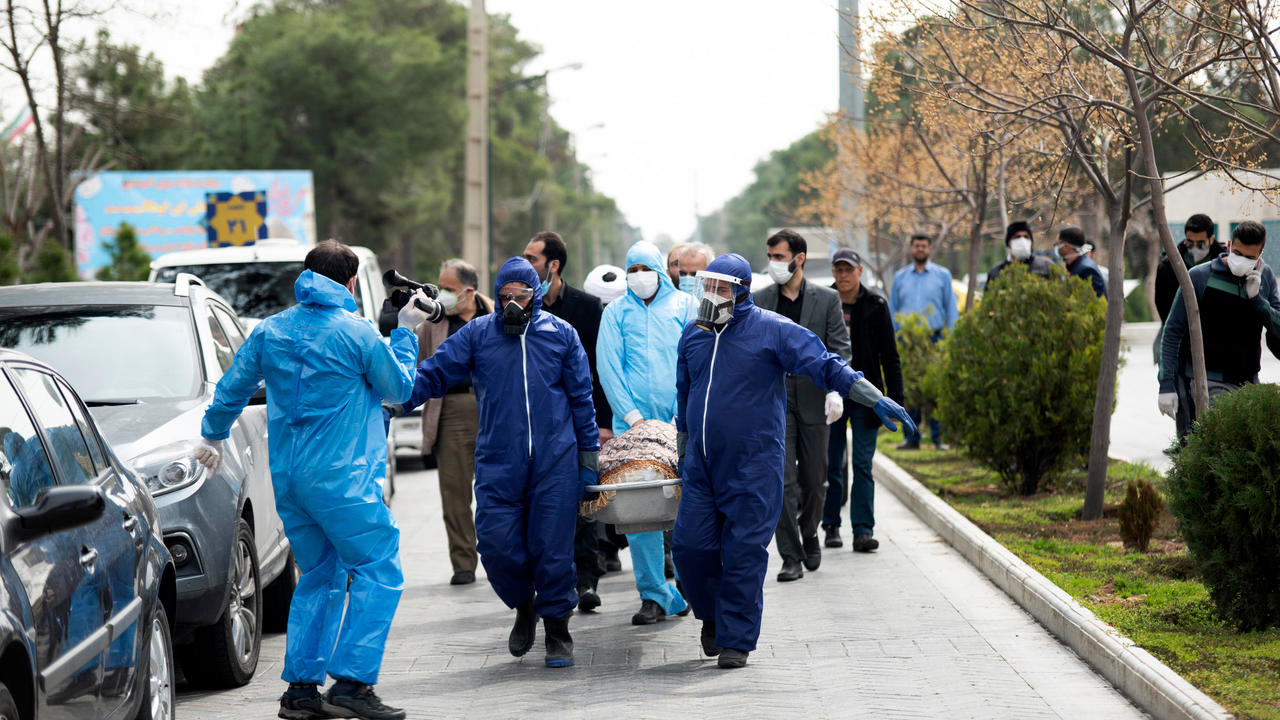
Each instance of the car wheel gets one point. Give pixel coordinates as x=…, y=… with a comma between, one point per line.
x=225, y=654
x=278, y=596
x=8, y=708
x=158, y=687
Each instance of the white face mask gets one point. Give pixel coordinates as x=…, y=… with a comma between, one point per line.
x=1020, y=248
x=781, y=272
x=1240, y=265
x=1198, y=253
x=644, y=283
x=447, y=300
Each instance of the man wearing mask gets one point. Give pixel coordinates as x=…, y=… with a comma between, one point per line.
x=694, y=257
x=875, y=355
x=328, y=451
x=731, y=401
x=810, y=409
x=1238, y=303
x=639, y=335
x=1074, y=252
x=535, y=452
x=450, y=423
x=1017, y=242
x=547, y=253
x=923, y=288
x=673, y=262
x=1198, y=246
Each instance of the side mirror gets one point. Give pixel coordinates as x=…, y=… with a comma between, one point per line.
x=63, y=507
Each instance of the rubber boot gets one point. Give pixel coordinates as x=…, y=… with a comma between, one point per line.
x=709, y=647
x=522, y=632
x=559, y=642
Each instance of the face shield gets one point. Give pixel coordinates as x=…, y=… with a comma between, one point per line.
x=716, y=294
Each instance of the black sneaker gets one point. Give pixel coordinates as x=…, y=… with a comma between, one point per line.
x=709, y=646
x=465, y=577
x=588, y=600
x=650, y=613
x=909, y=446
x=865, y=543
x=522, y=632
x=361, y=703
x=310, y=707
x=833, y=539
x=730, y=658
x=812, y=553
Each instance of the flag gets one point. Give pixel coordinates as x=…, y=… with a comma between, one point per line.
x=19, y=125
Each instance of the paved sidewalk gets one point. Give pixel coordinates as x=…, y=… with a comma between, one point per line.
x=911, y=631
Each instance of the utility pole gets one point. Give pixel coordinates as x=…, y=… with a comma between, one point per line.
x=849, y=56
x=475, y=232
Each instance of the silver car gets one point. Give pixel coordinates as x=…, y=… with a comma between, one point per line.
x=145, y=358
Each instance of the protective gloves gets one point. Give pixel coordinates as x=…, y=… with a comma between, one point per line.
x=1253, y=282
x=888, y=411
x=588, y=473
x=681, y=439
x=411, y=316
x=395, y=410
x=834, y=407
x=209, y=454
x=1169, y=404
x=632, y=418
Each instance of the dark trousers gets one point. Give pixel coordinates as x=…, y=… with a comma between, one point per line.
x=803, y=478
x=587, y=555
x=1186, y=417
x=935, y=428
x=862, y=491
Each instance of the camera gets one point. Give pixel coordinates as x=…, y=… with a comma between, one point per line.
x=401, y=288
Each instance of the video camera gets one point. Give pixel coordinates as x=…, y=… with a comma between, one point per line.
x=401, y=288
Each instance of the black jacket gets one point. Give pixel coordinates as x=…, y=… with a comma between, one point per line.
x=1167, y=281
x=582, y=311
x=874, y=346
x=1037, y=264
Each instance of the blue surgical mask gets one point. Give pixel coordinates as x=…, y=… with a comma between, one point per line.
x=688, y=283
x=546, y=286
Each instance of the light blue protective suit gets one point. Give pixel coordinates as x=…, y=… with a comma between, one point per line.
x=636, y=358
x=327, y=371
x=732, y=402
x=534, y=395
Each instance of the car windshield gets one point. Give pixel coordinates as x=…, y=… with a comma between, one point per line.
x=255, y=290
x=110, y=353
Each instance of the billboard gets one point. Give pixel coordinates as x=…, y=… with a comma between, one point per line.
x=168, y=208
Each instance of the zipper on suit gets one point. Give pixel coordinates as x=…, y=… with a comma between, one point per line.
x=524, y=369
x=707, y=399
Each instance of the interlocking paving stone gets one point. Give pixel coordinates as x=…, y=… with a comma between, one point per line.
x=911, y=631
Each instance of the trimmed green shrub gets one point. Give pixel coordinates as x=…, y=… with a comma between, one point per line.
x=1135, y=306
x=1140, y=513
x=921, y=359
x=129, y=260
x=53, y=264
x=1224, y=489
x=1017, y=391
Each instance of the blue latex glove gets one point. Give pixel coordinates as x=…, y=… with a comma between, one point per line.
x=888, y=411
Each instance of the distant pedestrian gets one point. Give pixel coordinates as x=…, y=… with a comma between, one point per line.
x=1198, y=246
x=810, y=408
x=1018, y=243
x=1074, y=251
x=673, y=262
x=875, y=355
x=694, y=257
x=1239, y=304
x=924, y=288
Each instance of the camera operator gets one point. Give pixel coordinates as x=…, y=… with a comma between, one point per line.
x=326, y=370
x=450, y=423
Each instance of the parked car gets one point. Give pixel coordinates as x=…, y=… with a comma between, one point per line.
x=145, y=357
x=86, y=584
x=257, y=280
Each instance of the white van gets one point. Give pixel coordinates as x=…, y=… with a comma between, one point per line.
x=258, y=281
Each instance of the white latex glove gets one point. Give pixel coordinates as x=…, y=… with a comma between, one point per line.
x=1253, y=282
x=1169, y=404
x=411, y=316
x=834, y=407
x=632, y=418
x=209, y=454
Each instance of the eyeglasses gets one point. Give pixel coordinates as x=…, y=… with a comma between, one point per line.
x=516, y=296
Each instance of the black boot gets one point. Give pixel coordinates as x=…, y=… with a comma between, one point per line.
x=709, y=646
x=812, y=553
x=730, y=658
x=559, y=642
x=791, y=570
x=833, y=539
x=865, y=543
x=522, y=632
x=650, y=613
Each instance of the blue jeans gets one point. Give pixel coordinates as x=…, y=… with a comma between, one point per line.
x=862, y=493
x=935, y=428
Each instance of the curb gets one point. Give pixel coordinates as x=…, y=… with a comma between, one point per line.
x=1145, y=680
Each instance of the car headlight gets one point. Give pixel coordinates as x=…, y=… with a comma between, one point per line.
x=170, y=468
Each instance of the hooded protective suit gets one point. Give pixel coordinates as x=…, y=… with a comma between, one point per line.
x=534, y=396
x=327, y=371
x=636, y=359
x=732, y=401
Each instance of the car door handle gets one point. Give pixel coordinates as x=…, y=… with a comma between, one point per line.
x=88, y=556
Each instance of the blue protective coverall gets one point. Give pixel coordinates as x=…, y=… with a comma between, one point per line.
x=732, y=403
x=636, y=358
x=527, y=486
x=326, y=371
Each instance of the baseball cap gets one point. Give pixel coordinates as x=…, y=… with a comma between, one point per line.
x=846, y=255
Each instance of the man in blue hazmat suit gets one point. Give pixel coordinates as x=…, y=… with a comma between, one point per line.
x=326, y=371
x=636, y=359
x=535, y=452
x=731, y=401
